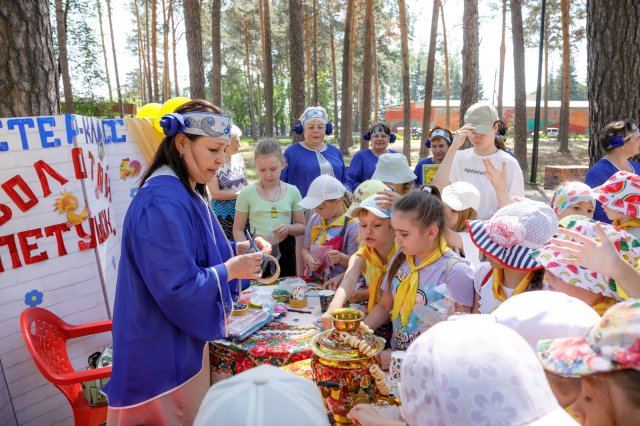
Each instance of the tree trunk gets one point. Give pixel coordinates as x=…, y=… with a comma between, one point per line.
x=374, y=50
x=520, y=119
x=545, y=93
x=142, y=60
x=252, y=114
x=307, y=49
x=259, y=128
x=315, y=53
x=406, y=90
x=115, y=60
x=447, y=88
x=154, y=47
x=104, y=49
x=27, y=90
x=502, y=57
x=194, y=48
x=64, y=58
x=563, y=133
x=268, y=71
x=352, y=92
x=428, y=84
x=470, y=58
x=166, y=79
x=612, y=38
x=176, y=85
x=336, y=129
x=216, y=55
x=152, y=96
x=296, y=47
x=365, y=107
x=347, y=81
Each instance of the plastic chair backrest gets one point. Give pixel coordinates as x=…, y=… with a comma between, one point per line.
x=44, y=334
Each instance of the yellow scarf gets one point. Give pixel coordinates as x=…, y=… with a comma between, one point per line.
x=376, y=268
x=406, y=292
x=602, y=305
x=498, y=291
x=635, y=223
x=338, y=222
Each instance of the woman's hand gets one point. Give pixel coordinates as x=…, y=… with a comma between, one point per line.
x=263, y=245
x=385, y=199
x=461, y=135
x=246, y=266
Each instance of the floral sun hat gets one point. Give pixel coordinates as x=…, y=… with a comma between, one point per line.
x=611, y=344
x=488, y=374
x=571, y=193
x=365, y=190
x=621, y=193
x=514, y=232
x=626, y=244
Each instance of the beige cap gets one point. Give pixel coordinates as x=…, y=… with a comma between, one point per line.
x=482, y=115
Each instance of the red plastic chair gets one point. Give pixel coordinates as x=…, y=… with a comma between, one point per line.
x=47, y=344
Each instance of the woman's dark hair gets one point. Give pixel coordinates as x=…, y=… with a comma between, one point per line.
x=500, y=135
x=622, y=128
x=167, y=153
x=375, y=126
x=429, y=211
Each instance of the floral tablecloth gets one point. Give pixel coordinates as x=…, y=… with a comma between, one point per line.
x=283, y=341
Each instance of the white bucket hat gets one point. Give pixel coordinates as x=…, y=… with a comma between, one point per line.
x=263, y=396
x=393, y=168
x=487, y=374
x=460, y=196
x=323, y=188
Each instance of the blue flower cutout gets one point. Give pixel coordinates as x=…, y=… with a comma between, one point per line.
x=133, y=192
x=227, y=130
x=33, y=298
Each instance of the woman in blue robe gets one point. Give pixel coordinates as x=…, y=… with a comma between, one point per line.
x=364, y=162
x=177, y=276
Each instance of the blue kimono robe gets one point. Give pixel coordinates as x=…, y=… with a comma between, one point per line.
x=303, y=167
x=172, y=293
x=598, y=174
x=362, y=166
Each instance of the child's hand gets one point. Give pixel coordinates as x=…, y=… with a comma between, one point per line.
x=385, y=359
x=333, y=283
x=497, y=177
x=365, y=415
x=281, y=232
x=313, y=263
x=327, y=320
x=335, y=257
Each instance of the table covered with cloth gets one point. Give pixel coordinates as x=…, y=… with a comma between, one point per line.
x=283, y=341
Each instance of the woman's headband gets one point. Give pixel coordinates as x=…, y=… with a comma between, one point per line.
x=197, y=123
x=314, y=114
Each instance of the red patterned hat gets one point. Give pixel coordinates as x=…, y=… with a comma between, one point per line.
x=621, y=193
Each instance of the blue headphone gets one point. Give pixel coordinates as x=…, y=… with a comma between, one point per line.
x=299, y=128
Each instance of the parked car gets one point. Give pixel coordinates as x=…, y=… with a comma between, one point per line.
x=552, y=132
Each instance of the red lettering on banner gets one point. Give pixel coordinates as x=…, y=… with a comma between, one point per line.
x=41, y=167
x=10, y=242
x=78, y=163
x=6, y=214
x=93, y=160
x=57, y=230
x=23, y=205
x=28, y=248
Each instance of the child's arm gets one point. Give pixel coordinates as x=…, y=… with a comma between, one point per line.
x=239, y=223
x=442, y=179
x=380, y=313
x=476, y=303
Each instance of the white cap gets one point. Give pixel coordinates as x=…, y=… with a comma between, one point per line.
x=460, y=196
x=323, y=188
x=540, y=315
x=476, y=372
x=371, y=205
x=263, y=396
x=393, y=167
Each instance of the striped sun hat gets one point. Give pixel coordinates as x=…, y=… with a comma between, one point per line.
x=514, y=232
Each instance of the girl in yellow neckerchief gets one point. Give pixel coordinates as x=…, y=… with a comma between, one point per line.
x=330, y=237
x=423, y=262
